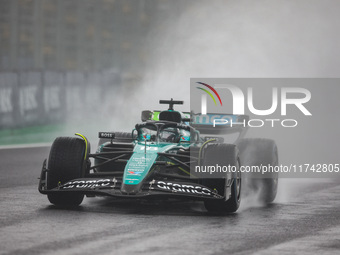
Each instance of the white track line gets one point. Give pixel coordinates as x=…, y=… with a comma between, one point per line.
x=23, y=146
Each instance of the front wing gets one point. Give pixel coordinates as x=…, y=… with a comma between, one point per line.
x=111, y=187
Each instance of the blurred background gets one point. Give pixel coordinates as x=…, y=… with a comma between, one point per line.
x=69, y=62
x=85, y=66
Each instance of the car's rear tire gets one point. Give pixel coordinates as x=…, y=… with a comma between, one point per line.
x=223, y=155
x=257, y=152
x=66, y=162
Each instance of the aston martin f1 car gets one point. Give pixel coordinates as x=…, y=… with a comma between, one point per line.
x=157, y=159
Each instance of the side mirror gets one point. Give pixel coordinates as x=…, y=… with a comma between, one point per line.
x=146, y=115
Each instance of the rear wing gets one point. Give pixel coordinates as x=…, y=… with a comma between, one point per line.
x=211, y=123
x=220, y=124
x=154, y=115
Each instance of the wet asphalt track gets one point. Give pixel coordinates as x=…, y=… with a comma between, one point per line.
x=305, y=219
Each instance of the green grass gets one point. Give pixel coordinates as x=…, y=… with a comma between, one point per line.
x=47, y=133
x=36, y=134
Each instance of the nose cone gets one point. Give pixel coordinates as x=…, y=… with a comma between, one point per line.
x=132, y=189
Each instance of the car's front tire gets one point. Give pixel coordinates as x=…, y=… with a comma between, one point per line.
x=66, y=162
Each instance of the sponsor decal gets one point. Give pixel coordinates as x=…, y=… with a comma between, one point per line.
x=27, y=99
x=138, y=166
x=52, y=98
x=141, y=162
x=6, y=105
x=185, y=138
x=87, y=184
x=214, y=119
x=217, y=139
x=134, y=173
x=148, y=148
x=184, y=188
x=106, y=135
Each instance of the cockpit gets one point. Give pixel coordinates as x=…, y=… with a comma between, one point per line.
x=162, y=133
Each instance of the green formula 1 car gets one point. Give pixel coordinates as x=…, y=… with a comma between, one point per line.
x=158, y=159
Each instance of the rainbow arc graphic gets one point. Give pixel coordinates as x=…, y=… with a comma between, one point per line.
x=209, y=93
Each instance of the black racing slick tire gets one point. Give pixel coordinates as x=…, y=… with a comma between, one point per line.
x=260, y=152
x=66, y=162
x=223, y=155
